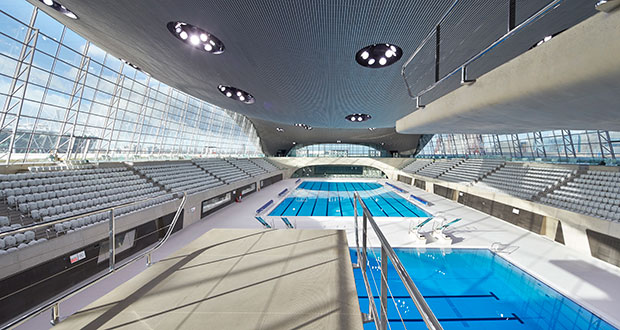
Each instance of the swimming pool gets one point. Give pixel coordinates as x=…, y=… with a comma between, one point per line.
x=472, y=289
x=315, y=198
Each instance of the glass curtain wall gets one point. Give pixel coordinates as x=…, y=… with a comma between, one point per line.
x=62, y=97
x=591, y=146
x=336, y=150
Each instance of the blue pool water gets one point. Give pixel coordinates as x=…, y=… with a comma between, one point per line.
x=472, y=289
x=313, y=198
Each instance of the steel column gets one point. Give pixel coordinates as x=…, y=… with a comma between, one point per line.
x=567, y=141
x=75, y=103
x=606, y=144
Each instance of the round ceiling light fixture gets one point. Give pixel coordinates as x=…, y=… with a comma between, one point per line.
x=196, y=37
x=547, y=38
x=236, y=94
x=304, y=126
x=58, y=7
x=280, y=129
x=378, y=55
x=358, y=117
x=131, y=64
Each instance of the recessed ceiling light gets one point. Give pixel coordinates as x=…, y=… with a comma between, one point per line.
x=280, y=129
x=196, y=37
x=382, y=143
x=194, y=40
x=58, y=7
x=358, y=117
x=547, y=38
x=294, y=142
x=236, y=94
x=338, y=141
x=378, y=55
x=304, y=126
x=131, y=65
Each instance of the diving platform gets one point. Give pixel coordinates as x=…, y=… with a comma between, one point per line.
x=237, y=279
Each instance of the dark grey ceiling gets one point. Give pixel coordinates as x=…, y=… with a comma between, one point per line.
x=295, y=56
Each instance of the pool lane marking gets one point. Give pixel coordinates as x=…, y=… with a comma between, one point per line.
x=405, y=204
x=514, y=317
x=377, y=196
x=367, y=197
x=390, y=204
x=490, y=295
x=339, y=203
x=316, y=199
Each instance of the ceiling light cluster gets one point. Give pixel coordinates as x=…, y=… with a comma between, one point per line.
x=131, y=65
x=547, y=38
x=358, y=117
x=280, y=129
x=58, y=7
x=372, y=128
x=236, y=94
x=304, y=126
x=378, y=55
x=196, y=37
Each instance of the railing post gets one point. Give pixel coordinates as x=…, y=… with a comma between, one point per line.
x=357, y=239
x=384, y=268
x=55, y=314
x=112, y=241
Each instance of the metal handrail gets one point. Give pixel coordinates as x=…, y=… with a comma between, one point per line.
x=463, y=67
x=55, y=303
x=386, y=253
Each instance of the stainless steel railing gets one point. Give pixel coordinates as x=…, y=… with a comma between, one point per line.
x=465, y=80
x=55, y=303
x=387, y=253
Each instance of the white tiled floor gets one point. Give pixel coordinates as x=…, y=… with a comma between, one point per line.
x=590, y=282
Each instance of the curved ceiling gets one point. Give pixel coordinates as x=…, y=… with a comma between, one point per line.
x=383, y=138
x=297, y=58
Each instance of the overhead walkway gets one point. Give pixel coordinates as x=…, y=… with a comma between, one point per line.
x=238, y=279
x=573, y=76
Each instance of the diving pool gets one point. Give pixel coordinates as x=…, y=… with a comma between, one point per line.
x=316, y=198
x=472, y=289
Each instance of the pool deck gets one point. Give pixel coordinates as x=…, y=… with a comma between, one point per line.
x=237, y=279
x=588, y=281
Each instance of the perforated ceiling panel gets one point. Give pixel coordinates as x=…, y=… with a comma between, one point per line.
x=296, y=57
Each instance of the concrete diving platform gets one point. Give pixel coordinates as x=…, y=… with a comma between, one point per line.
x=237, y=279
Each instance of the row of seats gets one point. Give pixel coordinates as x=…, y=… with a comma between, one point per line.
x=524, y=181
x=269, y=167
x=92, y=219
x=12, y=243
x=439, y=167
x=5, y=224
x=221, y=169
x=248, y=166
x=417, y=165
x=471, y=170
x=179, y=176
x=44, y=178
x=595, y=193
